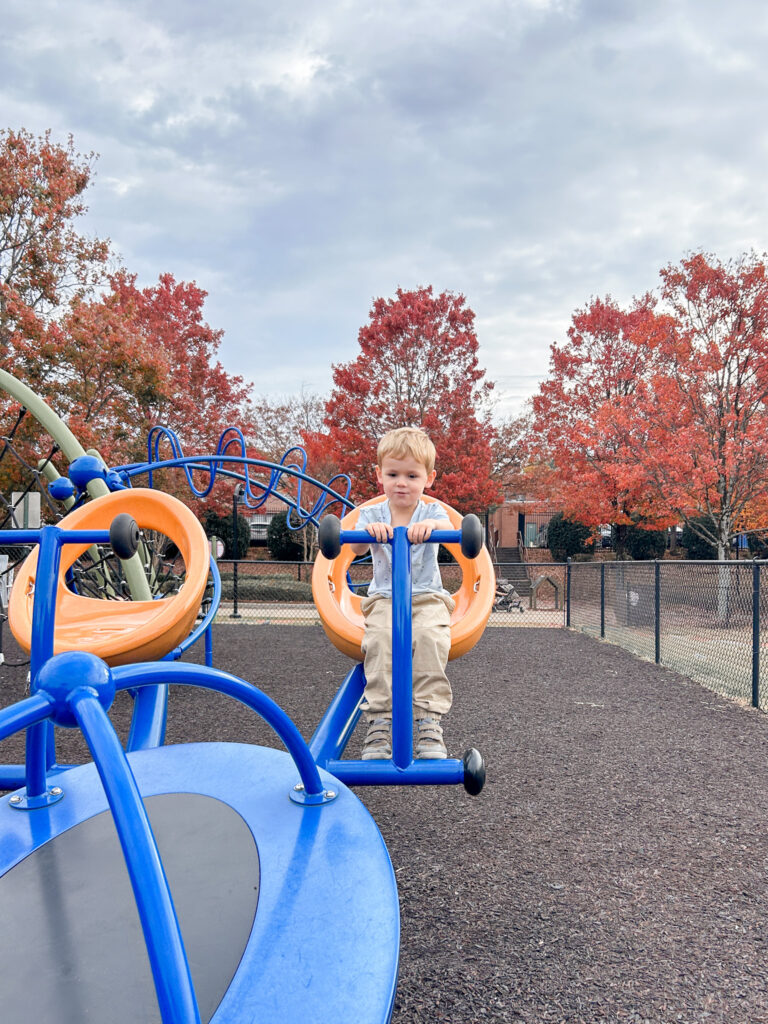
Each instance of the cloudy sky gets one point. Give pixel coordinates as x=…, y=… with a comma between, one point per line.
x=298, y=159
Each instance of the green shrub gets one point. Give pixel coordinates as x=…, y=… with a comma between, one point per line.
x=696, y=548
x=284, y=544
x=567, y=538
x=221, y=526
x=643, y=545
x=265, y=588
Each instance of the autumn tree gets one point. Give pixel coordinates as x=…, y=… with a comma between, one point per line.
x=111, y=358
x=512, y=467
x=417, y=366
x=584, y=430
x=44, y=261
x=659, y=412
x=196, y=395
x=274, y=425
x=705, y=450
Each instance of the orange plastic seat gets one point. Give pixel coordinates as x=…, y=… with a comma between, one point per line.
x=339, y=607
x=120, y=631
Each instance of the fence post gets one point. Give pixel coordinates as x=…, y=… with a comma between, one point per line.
x=755, y=634
x=568, y=593
x=657, y=608
x=602, y=600
x=235, y=614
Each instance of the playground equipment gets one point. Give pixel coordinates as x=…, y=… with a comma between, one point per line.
x=338, y=723
x=241, y=860
x=339, y=606
x=142, y=631
x=261, y=855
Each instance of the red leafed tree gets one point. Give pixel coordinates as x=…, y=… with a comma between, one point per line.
x=706, y=443
x=110, y=358
x=146, y=356
x=417, y=366
x=512, y=459
x=196, y=396
x=585, y=430
x=44, y=261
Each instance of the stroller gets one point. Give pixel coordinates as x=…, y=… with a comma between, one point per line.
x=507, y=597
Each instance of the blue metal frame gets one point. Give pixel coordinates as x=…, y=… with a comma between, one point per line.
x=150, y=709
x=76, y=689
x=338, y=723
x=231, y=448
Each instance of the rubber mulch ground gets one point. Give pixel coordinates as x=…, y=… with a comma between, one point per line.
x=614, y=867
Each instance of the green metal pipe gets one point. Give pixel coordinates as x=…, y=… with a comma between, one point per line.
x=72, y=449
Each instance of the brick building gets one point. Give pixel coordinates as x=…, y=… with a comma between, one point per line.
x=520, y=519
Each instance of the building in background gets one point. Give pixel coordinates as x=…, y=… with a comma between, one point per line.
x=520, y=523
x=259, y=521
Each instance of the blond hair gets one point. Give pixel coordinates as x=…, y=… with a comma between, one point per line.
x=404, y=442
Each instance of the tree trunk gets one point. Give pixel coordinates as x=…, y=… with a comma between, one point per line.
x=724, y=572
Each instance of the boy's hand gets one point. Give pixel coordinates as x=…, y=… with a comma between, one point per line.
x=381, y=532
x=419, y=532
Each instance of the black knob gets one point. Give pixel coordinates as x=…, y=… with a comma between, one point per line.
x=474, y=771
x=124, y=535
x=328, y=535
x=471, y=536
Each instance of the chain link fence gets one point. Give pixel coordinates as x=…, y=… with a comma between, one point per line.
x=281, y=592
x=706, y=620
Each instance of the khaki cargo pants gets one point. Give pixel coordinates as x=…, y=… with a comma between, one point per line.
x=431, y=617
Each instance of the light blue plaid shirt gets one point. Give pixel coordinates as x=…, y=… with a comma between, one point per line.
x=425, y=574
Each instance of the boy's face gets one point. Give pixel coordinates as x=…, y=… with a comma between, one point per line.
x=403, y=481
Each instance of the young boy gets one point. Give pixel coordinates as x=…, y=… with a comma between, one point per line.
x=406, y=466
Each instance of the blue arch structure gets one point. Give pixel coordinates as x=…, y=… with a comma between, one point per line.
x=229, y=462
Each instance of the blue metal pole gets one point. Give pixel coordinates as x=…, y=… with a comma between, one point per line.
x=657, y=609
x=165, y=947
x=43, y=613
x=383, y=773
x=182, y=673
x=602, y=600
x=402, y=648
x=23, y=715
x=148, y=722
x=755, y=635
x=337, y=724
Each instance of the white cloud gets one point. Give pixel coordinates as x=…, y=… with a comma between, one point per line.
x=298, y=160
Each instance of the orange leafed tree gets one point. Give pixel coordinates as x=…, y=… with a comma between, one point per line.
x=706, y=441
x=659, y=412
x=44, y=261
x=417, y=366
x=112, y=359
x=584, y=428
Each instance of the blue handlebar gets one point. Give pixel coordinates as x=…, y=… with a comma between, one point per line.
x=363, y=537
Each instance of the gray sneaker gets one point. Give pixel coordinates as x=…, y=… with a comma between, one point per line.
x=378, y=740
x=429, y=742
